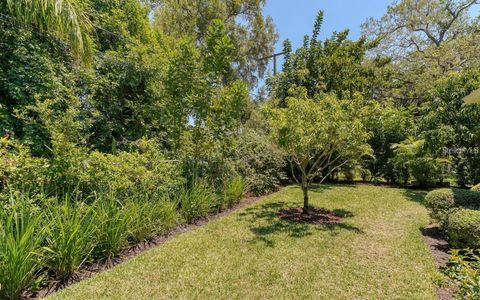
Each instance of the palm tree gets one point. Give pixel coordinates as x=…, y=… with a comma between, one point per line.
x=64, y=19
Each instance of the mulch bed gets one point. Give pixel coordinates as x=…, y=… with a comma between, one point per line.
x=318, y=216
x=439, y=248
x=89, y=270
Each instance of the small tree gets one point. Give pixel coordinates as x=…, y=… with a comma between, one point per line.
x=319, y=136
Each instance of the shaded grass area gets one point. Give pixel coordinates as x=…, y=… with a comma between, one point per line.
x=375, y=252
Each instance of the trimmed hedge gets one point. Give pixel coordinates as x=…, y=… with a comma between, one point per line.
x=442, y=201
x=463, y=228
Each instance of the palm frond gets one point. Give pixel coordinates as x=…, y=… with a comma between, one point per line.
x=64, y=19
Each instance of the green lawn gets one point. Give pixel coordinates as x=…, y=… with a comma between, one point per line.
x=377, y=252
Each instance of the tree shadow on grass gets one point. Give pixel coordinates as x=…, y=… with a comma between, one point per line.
x=415, y=195
x=318, y=188
x=265, y=224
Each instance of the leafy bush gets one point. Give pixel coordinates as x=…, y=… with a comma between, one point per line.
x=18, y=169
x=425, y=170
x=463, y=228
x=70, y=236
x=413, y=158
x=196, y=202
x=464, y=269
x=233, y=191
x=112, y=221
x=442, y=201
x=349, y=171
x=21, y=239
x=260, y=162
x=476, y=188
x=144, y=168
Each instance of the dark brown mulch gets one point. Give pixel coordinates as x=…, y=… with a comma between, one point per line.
x=439, y=248
x=92, y=269
x=317, y=216
x=437, y=244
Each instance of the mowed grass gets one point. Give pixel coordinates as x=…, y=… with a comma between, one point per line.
x=377, y=252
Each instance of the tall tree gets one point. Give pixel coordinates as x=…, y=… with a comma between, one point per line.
x=253, y=35
x=427, y=40
x=335, y=65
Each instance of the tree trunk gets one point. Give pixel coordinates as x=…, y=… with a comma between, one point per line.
x=305, y=198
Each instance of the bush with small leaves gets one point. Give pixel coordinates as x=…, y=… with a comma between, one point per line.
x=260, y=162
x=144, y=168
x=441, y=202
x=463, y=228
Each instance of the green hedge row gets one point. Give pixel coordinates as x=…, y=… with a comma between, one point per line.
x=458, y=214
x=463, y=228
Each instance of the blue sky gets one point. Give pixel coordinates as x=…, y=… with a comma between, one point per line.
x=294, y=19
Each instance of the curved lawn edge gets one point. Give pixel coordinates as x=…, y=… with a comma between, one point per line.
x=132, y=251
x=376, y=252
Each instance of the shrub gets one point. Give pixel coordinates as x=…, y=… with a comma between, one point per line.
x=196, y=202
x=425, y=170
x=366, y=175
x=348, y=171
x=233, y=191
x=18, y=169
x=463, y=228
x=464, y=269
x=112, y=221
x=476, y=188
x=144, y=168
x=467, y=199
x=66, y=165
x=259, y=162
x=21, y=239
x=442, y=201
x=70, y=236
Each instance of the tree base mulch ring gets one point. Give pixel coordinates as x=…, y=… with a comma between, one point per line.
x=317, y=216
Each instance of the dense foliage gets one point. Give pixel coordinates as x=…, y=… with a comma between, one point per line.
x=319, y=136
x=121, y=119
x=443, y=202
x=465, y=271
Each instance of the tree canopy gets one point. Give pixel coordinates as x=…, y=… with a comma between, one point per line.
x=427, y=41
x=319, y=136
